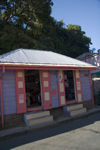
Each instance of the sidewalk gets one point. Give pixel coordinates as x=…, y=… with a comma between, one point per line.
x=19, y=130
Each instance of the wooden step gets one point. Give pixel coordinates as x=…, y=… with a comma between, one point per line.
x=40, y=121
x=37, y=114
x=74, y=107
x=77, y=112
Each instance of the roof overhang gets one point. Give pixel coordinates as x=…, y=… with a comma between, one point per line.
x=46, y=66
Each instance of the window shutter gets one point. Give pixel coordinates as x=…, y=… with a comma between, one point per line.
x=45, y=80
x=20, y=92
x=78, y=86
x=61, y=88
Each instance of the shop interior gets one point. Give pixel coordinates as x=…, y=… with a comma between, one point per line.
x=69, y=85
x=33, y=88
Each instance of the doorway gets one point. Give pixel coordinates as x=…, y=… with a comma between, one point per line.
x=33, y=88
x=69, y=85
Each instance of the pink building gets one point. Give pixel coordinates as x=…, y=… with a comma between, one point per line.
x=37, y=83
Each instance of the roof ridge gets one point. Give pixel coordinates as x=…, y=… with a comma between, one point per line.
x=20, y=49
x=36, y=50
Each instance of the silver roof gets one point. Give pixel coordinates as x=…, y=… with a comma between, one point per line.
x=32, y=56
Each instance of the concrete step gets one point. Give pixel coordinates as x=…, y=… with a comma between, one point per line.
x=40, y=121
x=38, y=118
x=74, y=110
x=77, y=112
x=74, y=107
x=34, y=115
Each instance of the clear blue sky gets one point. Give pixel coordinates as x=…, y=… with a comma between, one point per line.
x=85, y=13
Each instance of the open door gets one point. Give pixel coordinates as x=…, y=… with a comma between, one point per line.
x=33, y=89
x=78, y=86
x=20, y=92
x=61, y=88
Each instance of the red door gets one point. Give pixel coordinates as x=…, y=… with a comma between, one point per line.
x=20, y=92
x=45, y=80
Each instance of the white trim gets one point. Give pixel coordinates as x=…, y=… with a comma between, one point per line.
x=52, y=65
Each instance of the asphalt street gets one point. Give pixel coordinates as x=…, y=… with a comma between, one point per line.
x=81, y=134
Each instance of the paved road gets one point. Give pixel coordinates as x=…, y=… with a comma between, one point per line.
x=81, y=134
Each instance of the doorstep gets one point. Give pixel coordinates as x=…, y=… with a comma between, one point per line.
x=19, y=130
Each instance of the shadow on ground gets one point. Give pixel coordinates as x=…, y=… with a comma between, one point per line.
x=33, y=136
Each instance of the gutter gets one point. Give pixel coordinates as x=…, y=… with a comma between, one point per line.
x=1, y=95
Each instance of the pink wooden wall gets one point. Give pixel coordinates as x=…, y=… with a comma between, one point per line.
x=14, y=92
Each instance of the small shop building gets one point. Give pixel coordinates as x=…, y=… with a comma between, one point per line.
x=37, y=80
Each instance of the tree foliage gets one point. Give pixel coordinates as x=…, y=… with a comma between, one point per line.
x=28, y=24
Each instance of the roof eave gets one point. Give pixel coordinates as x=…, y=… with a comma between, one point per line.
x=46, y=66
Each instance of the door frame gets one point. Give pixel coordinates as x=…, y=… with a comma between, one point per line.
x=37, y=108
x=74, y=100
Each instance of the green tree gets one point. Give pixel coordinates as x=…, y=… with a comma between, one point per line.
x=79, y=43
x=28, y=24
x=12, y=37
x=25, y=13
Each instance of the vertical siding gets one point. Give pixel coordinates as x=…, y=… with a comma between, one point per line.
x=54, y=88
x=85, y=84
x=9, y=92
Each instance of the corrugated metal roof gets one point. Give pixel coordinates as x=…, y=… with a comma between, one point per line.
x=31, y=56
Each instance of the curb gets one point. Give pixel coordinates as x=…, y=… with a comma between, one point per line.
x=24, y=130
